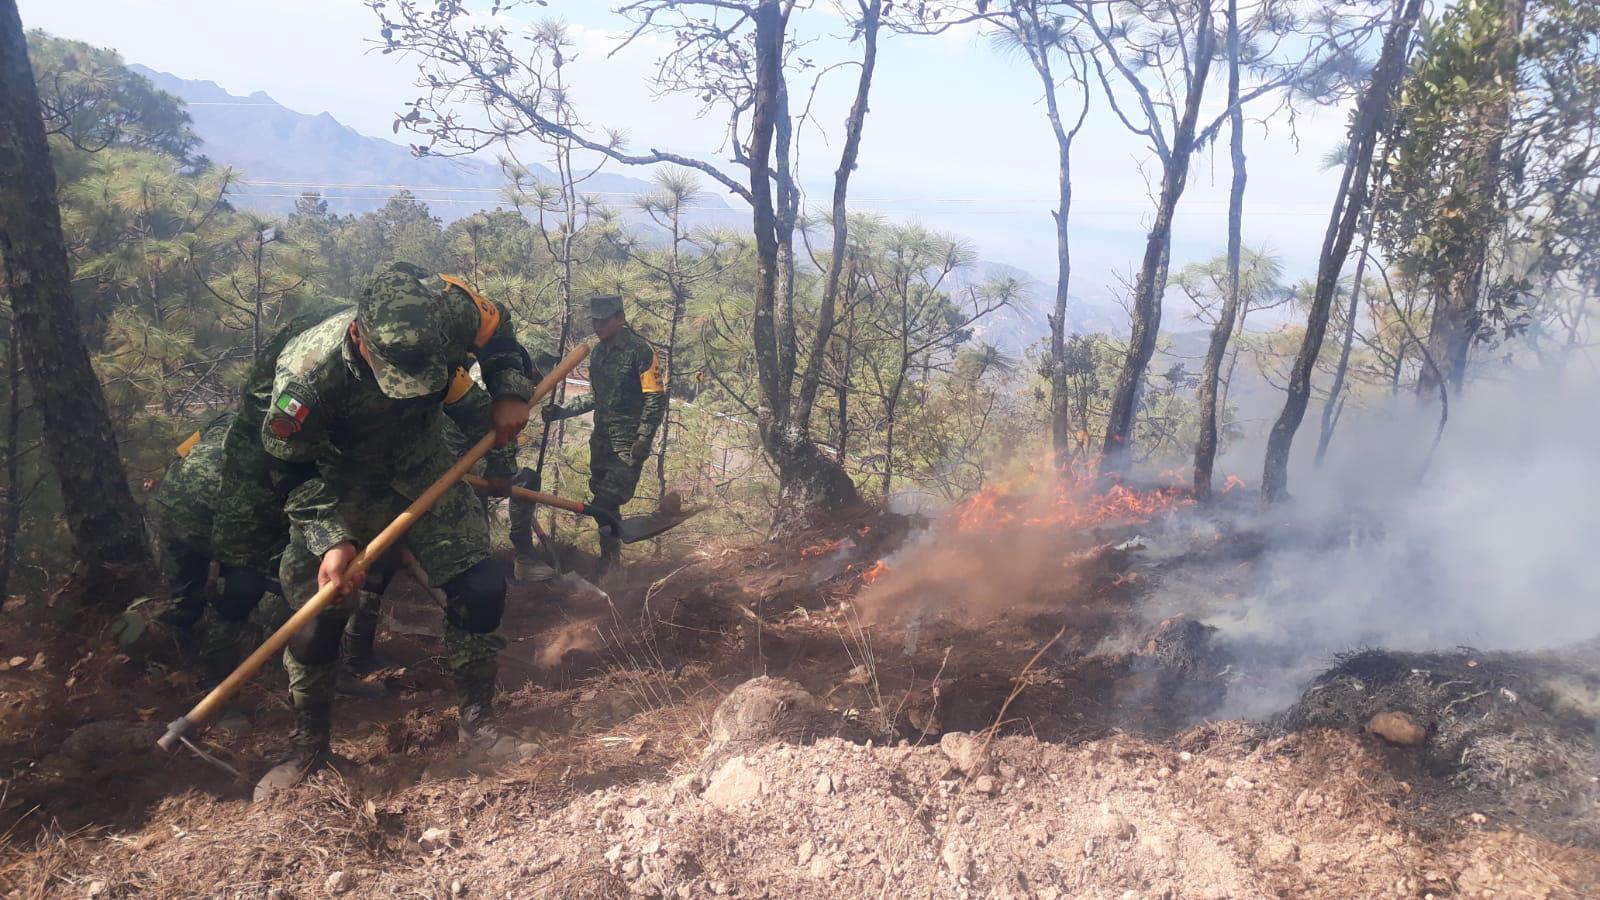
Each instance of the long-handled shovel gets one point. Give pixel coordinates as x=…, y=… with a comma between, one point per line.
x=212, y=702
x=631, y=530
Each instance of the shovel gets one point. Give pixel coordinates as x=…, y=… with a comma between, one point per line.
x=631, y=530
x=387, y=538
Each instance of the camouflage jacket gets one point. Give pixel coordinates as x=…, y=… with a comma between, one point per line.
x=347, y=433
x=189, y=489
x=625, y=389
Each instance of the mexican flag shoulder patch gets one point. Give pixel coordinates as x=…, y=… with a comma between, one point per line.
x=289, y=406
x=288, y=414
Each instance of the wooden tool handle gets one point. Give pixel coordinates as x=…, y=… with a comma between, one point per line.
x=212, y=702
x=522, y=493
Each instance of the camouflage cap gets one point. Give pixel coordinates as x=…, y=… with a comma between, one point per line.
x=401, y=319
x=604, y=306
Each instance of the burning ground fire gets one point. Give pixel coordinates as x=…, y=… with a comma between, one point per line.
x=1069, y=504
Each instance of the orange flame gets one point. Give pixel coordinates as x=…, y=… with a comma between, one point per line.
x=1072, y=504
x=876, y=571
x=1233, y=481
x=822, y=549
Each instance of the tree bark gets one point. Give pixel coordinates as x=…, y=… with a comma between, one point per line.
x=769, y=40
x=1028, y=24
x=1116, y=454
x=807, y=479
x=1330, y=416
x=79, y=439
x=853, y=125
x=676, y=289
x=1205, y=450
x=1372, y=118
x=11, y=494
x=1456, y=312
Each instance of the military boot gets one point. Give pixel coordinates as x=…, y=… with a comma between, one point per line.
x=477, y=727
x=610, y=555
x=308, y=750
x=360, y=634
x=529, y=569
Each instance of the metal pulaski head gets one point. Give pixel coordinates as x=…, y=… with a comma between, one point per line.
x=604, y=306
x=401, y=316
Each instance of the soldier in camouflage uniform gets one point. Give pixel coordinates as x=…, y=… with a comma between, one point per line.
x=182, y=516
x=248, y=528
x=217, y=503
x=355, y=433
x=629, y=402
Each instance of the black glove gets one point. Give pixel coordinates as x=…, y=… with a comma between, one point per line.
x=610, y=525
x=641, y=449
x=552, y=412
x=496, y=487
x=527, y=478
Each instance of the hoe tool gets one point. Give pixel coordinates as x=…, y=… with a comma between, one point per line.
x=631, y=530
x=386, y=539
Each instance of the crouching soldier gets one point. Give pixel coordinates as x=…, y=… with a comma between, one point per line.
x=354, y=434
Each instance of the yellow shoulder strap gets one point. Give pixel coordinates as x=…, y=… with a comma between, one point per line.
x=188, y=444
x=650, y=379
x=488, y=313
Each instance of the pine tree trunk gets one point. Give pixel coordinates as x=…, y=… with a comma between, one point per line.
x=1372, y=117
x=11, y=493
x=1205, y=450
x=1330, y=416
x=79, y=439
x=1456, y=313
x=1038, y=46
x=678, y=300
x=1116, y=454
x=853, y=125
x=807, y=480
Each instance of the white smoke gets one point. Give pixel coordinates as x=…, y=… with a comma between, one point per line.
x=1497, y=548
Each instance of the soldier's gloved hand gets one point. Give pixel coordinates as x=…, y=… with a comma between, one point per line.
x=497, y=487
x=610, y=524
x=552, y=413
x=334, y=562
x=641, y=449
x=509, y=416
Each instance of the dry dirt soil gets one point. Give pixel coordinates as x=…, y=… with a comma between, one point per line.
x=762, y=722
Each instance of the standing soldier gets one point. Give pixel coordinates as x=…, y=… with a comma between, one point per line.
x=355, y=433
x=626, y=395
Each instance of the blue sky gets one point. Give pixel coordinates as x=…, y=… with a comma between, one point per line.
x=956, y=137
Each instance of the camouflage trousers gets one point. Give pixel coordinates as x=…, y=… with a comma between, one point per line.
x=447, y=541
x=612, y=481
x=184, y=552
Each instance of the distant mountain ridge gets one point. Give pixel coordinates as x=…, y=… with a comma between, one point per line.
x=283, y=154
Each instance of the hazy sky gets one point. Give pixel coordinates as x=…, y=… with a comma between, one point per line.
x=956, y=137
